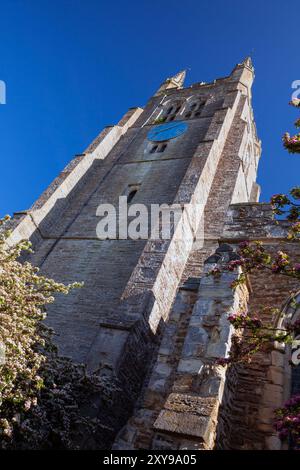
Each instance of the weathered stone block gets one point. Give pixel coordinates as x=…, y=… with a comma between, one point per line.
x=276, y=375
x=273, y=395
x=195, y=342
x=190, y=366
x=273, y=443
x=277, y=358
x=204, y=406
x=184, y=423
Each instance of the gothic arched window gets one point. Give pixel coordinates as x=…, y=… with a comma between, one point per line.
x=162, y=148
x=172, y=110
x=158, y=148
x=153, y=149
x=194, y=108
x=131, y=195
x=131, y=191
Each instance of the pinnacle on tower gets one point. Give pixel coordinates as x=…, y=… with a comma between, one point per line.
x=173, y=82
x=247, y=62
x=243, y=73
x=178, y=79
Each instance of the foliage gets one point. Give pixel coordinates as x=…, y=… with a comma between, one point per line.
x=253, y=256
x=42, y=395
x=292, y=143
x=288, y=421
x=159, y=120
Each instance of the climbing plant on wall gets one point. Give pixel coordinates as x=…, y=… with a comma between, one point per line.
x=255, y=256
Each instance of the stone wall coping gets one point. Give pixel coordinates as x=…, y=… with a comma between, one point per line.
x=251, y=221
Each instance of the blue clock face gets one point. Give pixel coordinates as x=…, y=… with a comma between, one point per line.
x=167, y=131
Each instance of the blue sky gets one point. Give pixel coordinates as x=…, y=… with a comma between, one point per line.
x=72, y=67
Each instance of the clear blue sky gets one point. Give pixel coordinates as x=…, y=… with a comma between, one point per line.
x=74, y=66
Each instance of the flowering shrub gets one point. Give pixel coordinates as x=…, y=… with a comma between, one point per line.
x=288, y=421
x=257, y=335
x=295, y=102
x=292, y=143
x=289, y=207
x=215, y=272
x=254, y=256
x=244, y=320
x=41, y=394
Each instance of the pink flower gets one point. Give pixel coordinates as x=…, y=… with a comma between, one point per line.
x=279, y=425
x=244, y=244
x=283, y=434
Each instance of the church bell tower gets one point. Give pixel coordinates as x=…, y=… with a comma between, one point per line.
x=137, y=319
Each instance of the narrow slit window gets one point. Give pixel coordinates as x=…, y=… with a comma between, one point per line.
x=154, y=149
x=131, y=190
x=162, y=148
x=131, y=195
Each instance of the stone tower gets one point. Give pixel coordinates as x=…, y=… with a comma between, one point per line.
x=146, y=314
